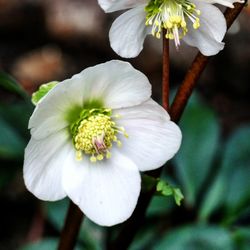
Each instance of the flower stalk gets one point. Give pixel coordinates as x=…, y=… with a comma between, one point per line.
x=165, y=73
x=71, y=228
x=196, y=69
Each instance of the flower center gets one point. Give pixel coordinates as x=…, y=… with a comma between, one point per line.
x=171, y=15
x=94, y=133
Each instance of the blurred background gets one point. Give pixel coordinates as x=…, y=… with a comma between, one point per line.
x=42, y=41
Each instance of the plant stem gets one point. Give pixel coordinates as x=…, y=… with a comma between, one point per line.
x=71, y=228
x=130, y=227
x=195, y=71
x=165, y=72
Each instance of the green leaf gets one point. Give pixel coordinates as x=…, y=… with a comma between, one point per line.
x=144, y=238
x=231, y=186
x=178, y=196
x=11, y=143
x=9, y=83
x=164, y=188
x=200, y=143
x=167, y=190
x=42, y=91
x=242, y=238
x=159, y=205
x=195, y=238
x=21, y=112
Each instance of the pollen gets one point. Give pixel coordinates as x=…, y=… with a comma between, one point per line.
x=171, y=15
x=95, y=133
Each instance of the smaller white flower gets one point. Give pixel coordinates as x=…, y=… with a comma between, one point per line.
x=197, y=22
x=90, y=137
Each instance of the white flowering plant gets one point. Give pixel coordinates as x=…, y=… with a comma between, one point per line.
x=99, y=139
x=90, y=137
x=197, y=22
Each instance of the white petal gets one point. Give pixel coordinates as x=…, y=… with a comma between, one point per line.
x=128, y=32
x=49, y=114
x=114, y=5
x=207, y=38
x=228, y=3
x=43, y=165
x=153, y=138
x=116, y=83
x=106, y=191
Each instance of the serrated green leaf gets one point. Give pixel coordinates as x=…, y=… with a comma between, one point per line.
x=42, y=91
x=166, y=190
x=178, y=196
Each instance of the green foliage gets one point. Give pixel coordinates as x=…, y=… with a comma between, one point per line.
x=200, y=143
x=8, y=83
x=231, y=186
x=144, y=238
x=227, y=189
x=160, y=205
x=42, y=91
x=196, y=238
x=14, y=116
x=11, y=143
x=242, y=237
x=167, y=190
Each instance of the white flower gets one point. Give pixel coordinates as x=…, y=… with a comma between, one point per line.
x=197, y=22
x=90, y=137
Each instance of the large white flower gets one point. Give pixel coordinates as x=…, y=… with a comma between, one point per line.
x=197, y=22
x=90, y=137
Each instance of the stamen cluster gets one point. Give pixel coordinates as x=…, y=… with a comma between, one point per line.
x=94, y=134
x=171, y=15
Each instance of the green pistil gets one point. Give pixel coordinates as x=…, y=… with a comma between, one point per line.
x=171, y=15
x=94, y=133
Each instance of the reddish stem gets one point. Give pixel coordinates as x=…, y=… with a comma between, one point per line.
x=165, y=73
x=71, y=228
x=195, y=71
